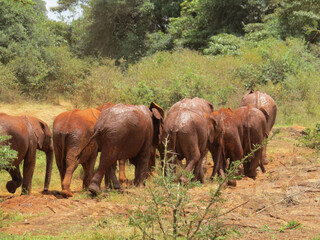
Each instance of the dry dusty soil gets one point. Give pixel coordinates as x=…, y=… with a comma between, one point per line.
x=289, y=192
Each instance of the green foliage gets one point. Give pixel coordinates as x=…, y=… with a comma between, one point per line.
x=169, y=213
x=311, y=138
x=290, y=225
x=290, y=18
x=102, y=83
x=8, y=218
x=294, y=16
x=200, y=20
x=7, y=155
x=275, y=60
x=9, y=87
x=225, y=44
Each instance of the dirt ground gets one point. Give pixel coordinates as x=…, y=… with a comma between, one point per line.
x=289, y=191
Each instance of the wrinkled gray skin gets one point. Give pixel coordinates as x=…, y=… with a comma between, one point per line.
x=262, y=100
x=28, y=134
x=239, y=130
x=187, y=130
x=126, y=132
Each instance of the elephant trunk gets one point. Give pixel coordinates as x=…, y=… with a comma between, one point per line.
x=49, y=158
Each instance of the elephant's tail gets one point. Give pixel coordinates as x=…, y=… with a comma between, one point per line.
x=79, y=155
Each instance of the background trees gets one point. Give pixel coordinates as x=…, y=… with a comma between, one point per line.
x=136, y=50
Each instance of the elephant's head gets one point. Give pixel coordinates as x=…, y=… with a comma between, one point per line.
x=43, y=137
x=157, y=120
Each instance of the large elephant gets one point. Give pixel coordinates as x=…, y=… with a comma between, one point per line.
x=126, y=132
x=71, y=131
x=239, y=131
x=187, y=130
x=28, y=134
x=262, y=100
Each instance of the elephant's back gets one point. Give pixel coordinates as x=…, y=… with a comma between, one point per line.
x=195, y=104
x=17, y=128
x=185, y=121
x=123, y=122
x=260, y=100
x=12, y=125
x=75, y=120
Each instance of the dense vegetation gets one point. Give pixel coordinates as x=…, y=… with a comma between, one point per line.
x=137, y=51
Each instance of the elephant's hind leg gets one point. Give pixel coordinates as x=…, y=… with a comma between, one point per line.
x=88, y=168
x=16, y=179
x=141, y=163
x=105, y=162
x=110, y=178
x=71, y=165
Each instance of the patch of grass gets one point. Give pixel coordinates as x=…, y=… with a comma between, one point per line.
x=311, y=138
x=316, y=238
x=290, y=225
x=264, y=228
x=6, y=219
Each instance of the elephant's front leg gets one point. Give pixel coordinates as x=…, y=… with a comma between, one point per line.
x=122, y=172
x=88, y=168
x=28, y=169
x=111, y=180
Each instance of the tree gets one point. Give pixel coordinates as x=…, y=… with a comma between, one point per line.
x=202, y=19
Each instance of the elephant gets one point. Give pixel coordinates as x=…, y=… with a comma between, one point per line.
x=27, y=135
x=233, y=136
x=126, y=132
x=196, y=104
x=187, y=130
x=71, y=131
x=262, y=100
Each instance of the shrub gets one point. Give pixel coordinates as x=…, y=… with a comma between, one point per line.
x=9, y=88
x=169, y=213
x=225, y=44
x=311, y=138
x=101, y=84
x=7, y=155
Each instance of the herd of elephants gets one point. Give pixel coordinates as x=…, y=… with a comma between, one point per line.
x=190, y=129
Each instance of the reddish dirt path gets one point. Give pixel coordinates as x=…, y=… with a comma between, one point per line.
x=288, y=191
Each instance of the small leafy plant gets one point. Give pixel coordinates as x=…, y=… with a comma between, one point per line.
x=7, y=155
x=290, y=225
x=311, y=138
x=169, y=213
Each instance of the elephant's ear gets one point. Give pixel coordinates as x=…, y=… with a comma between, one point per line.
x=212, y=122
x=266, y=115
x=157, y=120
x=211, y=106
x=41, y=130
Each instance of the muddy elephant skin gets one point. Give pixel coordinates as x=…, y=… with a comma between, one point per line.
x=187, y=130
x=264, y=102
x=28, y=134
x=239, y=131
x=71, y=131
x=126, y=132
